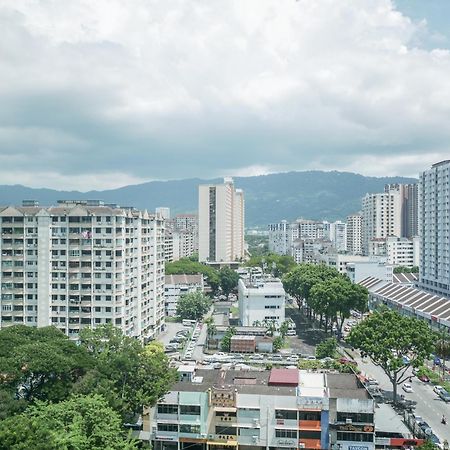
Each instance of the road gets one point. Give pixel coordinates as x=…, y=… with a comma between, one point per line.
x=429, y=406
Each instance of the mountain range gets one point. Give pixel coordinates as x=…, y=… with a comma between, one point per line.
x=269, y=198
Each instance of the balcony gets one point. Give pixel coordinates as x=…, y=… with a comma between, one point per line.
x=309, y=425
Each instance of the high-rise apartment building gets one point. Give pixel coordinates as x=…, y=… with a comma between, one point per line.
x=410, y=210
x=82, y=264
x=354, y=234
x=221, y=222
x=381, y=215
x=338, y=235
x=434, y=228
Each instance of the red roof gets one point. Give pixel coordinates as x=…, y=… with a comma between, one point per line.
x=283, y=377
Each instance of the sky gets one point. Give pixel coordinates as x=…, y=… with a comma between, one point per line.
x=105, y=93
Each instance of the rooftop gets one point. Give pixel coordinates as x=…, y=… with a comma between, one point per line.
x=184, y=279
x=284, y=377
x=346, y=385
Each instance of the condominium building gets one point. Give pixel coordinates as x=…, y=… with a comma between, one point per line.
x=280, y=237
x=262, y=410
x=434, y=228
x=261, y=300
x=338, y=235
x=410, y=210
x=82, y=264
x=221, y=223
x=381, y=215
x=188, y=223
x=403, y=251
x=354, y=234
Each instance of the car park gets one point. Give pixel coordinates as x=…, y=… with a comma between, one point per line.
x=407, y=387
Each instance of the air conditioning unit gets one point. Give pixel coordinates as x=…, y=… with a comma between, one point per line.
x=254, y=439
x=256, y=422
x=301, y=445
x=348, y=421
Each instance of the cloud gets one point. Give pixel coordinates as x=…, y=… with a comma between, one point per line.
x=97, y=94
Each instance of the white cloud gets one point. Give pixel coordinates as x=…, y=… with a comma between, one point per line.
x=155, y=89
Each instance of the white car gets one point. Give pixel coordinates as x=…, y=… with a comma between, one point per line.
x=292, y=358
x=407, y=387
x=438, y=389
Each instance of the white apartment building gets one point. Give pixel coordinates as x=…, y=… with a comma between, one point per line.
x=338, y=235
x=280, y=237
x=381, y=215
x=403, y=251
x=188, y=223
x=354, y=234
x=434, y=228
x=361, y=270
x=178, y=285
x=164, y=212
x=221, y=223
x=168, y=244
x=82, y=264
x=340, y=261
x=261, y=300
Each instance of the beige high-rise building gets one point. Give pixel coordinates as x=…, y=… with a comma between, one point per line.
x=381, y=215
x=221, y=222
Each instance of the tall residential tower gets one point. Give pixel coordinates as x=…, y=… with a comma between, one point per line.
x=221, y=222
x=434, y=228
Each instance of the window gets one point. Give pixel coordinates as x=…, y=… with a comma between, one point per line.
x=192, y=410
x=355, y=437
x=292, y=434
x=195, y=429
x=226, y=430
x=309, y=435
x=285, y=414
x=355, y=417
x=167, y=409
x=172, y=427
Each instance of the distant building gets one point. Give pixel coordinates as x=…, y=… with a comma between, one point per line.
x=360, y=270
x=262, y=300
x=403, y=251
x=434, y=228
x=178, y=285
x=338, y=235
x=340, y=261
x=221, y=223
x=164, y=212
x=354, y=234
x=82, y=264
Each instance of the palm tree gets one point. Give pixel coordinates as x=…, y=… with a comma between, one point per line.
x=211, y=329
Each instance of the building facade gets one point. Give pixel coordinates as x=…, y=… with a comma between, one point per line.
x=82, y=264
x=354, y=234
x=263, y=410
x=221, y=223
x=403, y=251
x=178, y=285
x=381, y=215
x=434, y=228
x=260, y=301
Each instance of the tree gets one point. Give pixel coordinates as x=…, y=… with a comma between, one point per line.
x=127, y=374
x=443, y=348
x=228, y=280
x=326, y=348
x=405, y=269
x=193, y=305
x=82, y=423
x=278, y=343
x=393, y=342
x=40, y=363
x=284, y=328
x=225, y=345
x=278, y=265
x=335, y=298
x=428, y=445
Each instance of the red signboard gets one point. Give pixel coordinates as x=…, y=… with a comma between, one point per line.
x=403, y=442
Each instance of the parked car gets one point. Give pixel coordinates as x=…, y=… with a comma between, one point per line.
x=347, y=361
x=437, y=389
x=407, y=387
x=292, y=358
x=425, y=428
x=444, y=395
x=424, y=378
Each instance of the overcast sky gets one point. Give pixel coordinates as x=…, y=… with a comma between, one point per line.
x=99, y=94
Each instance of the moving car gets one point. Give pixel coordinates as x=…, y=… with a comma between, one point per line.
x=407, y=387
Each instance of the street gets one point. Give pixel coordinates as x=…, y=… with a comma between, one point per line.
x=429, y=406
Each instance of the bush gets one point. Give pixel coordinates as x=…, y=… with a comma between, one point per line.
x=326, y=349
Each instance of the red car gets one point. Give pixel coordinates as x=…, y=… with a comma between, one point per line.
x=347, y=361
x=424, y=378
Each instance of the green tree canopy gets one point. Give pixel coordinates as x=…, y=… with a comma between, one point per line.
x=40, y=363
x=228, y=280
x=81, y=423
x=388, y=337
x=226, y=340
x=127, y=374
x=326, y=348
x=193, y=305
x=278, y=265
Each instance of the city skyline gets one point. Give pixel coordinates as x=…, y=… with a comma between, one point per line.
x=98, y=95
